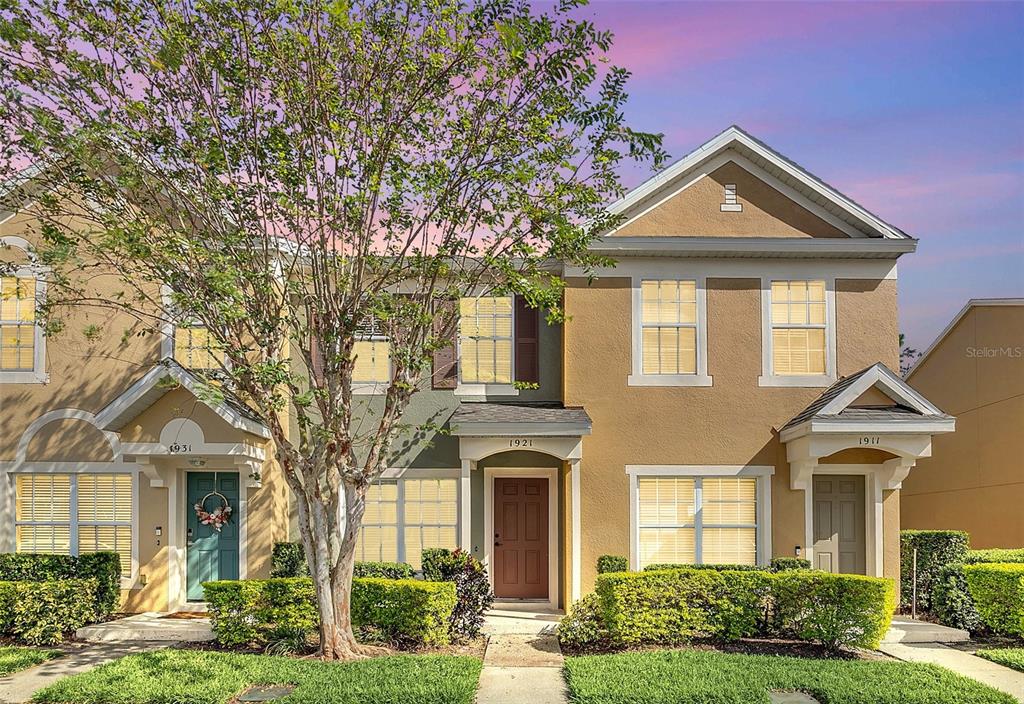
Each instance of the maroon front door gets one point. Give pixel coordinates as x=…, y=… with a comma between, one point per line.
x=520, y=538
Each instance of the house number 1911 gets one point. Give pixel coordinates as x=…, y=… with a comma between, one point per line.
x=870, y=440
x=520, y=442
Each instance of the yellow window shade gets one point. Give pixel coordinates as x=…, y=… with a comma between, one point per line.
x=734, y=546
x=666, y=501
x=676, y=545
x=485, y=340
x=39, y=538
x=194, y=348
x=105, y=497
x=729, y=501
x=102, y=538
x=17, y=299
x=797, y=351
x=378, y=544
x=373, y=361
x=43, y=498
x=17, y=347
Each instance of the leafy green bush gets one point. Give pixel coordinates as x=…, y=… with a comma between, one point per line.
x=612, y=563
x=998, y=592
x=995, y=555
x=42, y=613
x=288, y=560
x=258, y=612
x=472, y=587
x=935, y=550
x=784, y=564
x=661, y=566
x=583, y=627
x=673, y=606
x=833, y=609
x=383, y=570
x=952, y=604
x=404, y=612
x=103, y=567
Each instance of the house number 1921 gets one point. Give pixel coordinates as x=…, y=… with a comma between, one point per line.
x=870, y=440
x=520, y=442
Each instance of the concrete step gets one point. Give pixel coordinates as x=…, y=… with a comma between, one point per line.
x=520, y=619
x=906, y=630
x=147, y=627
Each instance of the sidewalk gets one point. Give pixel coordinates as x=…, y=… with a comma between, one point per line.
x=20, y=686
x=523, y=663
x=1002, y=678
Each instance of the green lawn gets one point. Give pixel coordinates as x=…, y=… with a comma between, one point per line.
x=205, y=677
x=14, y=657
x=704, y=677
x=1011, y=657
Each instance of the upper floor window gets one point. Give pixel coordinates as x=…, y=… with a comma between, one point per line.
x=372, y=353
x=799, y=336
x=669, y=327
x=485, y=340
x=21, y=339
x=195, y=349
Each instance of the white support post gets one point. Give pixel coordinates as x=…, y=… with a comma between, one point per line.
x=577, y=538
x=465, y=507
x=7, y=528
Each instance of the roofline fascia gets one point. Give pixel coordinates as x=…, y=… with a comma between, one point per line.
x=681, y=246
x=838, y=426
x=484, y=429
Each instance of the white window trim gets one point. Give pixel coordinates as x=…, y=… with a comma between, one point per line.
x=762, y=473
x=38, y=375
x=73, y=471
x=369, y=388
x=399, y=475
x=768, y=377
x=637, y=377
x=481, y=390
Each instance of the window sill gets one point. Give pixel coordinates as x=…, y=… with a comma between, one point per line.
x=369, y=389
x=813, y=381
x=484, y=390
x=24, y=378
x=669, y=380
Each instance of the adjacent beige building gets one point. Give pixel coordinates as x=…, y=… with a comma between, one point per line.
x=974, y=480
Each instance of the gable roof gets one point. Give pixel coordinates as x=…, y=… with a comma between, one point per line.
x=833, y=406
x=971, y=304
x=151, y=388
x=786, y=173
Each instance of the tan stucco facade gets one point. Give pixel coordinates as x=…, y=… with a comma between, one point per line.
x=974, y=480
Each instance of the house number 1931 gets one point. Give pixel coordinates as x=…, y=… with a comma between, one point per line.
x=520, y=442
x=870, y=440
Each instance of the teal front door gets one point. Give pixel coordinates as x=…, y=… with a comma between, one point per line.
x=211, y=554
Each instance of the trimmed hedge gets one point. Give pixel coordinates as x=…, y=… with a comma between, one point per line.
x=952, y=604
x=289, y=560
x=659, y=567
x=998, y=592
x=1001, y=555
x=784, y=564
x=612, y=563
x=833, y=609
x=935, y=550
x=675, y=606
x=41, y=613
x=383, y=570
x=102, y=567
x=472, y=588
x=258, y=612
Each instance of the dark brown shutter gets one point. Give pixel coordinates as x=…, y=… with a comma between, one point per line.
x=527, y=342
x=315, y=354
x=445, y=370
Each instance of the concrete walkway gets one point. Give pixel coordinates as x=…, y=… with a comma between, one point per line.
x=148, y=627
x=523, y=663
x=907, y=630
x=1002, y=678
x=20, y=686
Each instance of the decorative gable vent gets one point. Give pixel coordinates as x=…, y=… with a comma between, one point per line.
x=731, y=205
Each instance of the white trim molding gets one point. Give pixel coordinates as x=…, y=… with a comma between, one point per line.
x=763, y=474
x=549, y=473
x=637, y=376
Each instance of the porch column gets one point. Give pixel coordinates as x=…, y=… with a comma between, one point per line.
x=577, y=538
x=465, y=507
x=7, y=528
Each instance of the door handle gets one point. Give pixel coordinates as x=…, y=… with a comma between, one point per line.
x=497, y=544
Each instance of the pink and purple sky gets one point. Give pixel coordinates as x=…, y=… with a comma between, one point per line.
x=915, y=110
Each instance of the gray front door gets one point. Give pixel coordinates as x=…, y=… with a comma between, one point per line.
x=839, y=544
x=211, y=554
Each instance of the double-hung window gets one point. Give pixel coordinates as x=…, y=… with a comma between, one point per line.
x=485, y=340
x=668, y=327
x=195, y=349
x=696, y=519
x=403, y=517
x=21, y=358
x=72, y=514
x=372, y=352
x=798, y=328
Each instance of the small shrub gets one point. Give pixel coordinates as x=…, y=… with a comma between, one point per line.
x=288, y=560
x=935, y=550
x=472, y=587
x=383, y=570
x=674, y=606
x=994, y=555
x=661, y=566
x=36, y=567
x=102, y=567
x=583, y=627
x=105, y=568
x=612, y=563
x=833, y=609
x=42, y=613
x=404, y=612
x=998, y=592
x=785, y=564
x=952, y=604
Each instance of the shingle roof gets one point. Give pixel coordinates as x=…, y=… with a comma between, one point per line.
x=830, y=393
x=530, y=418
x=229, y=399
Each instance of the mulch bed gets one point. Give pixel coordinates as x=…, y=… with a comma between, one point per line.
x=751, y=646
x=473, y=648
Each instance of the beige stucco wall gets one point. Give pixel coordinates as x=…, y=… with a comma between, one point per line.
x=696, y=211
x=974, y=480
x=734, y=422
